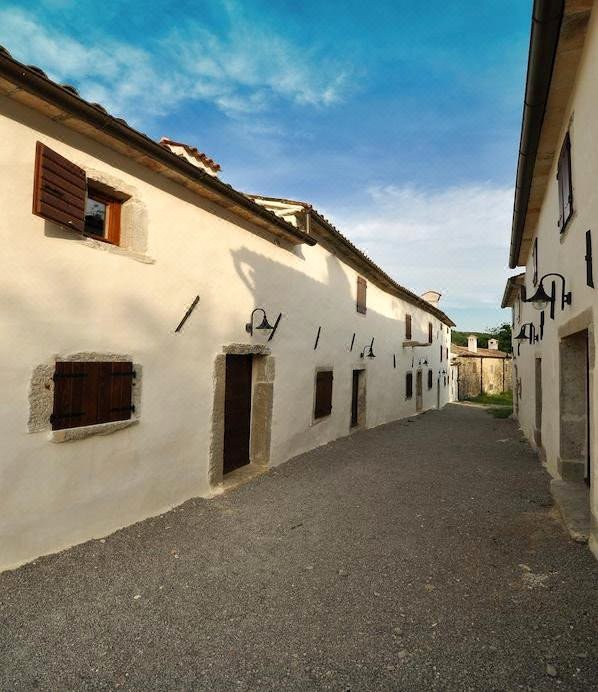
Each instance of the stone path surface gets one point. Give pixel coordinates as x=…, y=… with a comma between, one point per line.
x=422, y=555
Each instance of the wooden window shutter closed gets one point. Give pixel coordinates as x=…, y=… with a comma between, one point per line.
x=408, y=327
x=430, y=332
x=59, y=189
x=89, y=393
x=409, y=385
x=564, y=183
x=362, y=288
x=114, y=391
x=73, y=405
x=430, y=376
x=323, y=405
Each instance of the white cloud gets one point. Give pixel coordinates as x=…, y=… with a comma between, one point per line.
x=240, y=72
x=454, y=240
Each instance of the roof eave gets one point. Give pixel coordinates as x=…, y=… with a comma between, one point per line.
x=547, y=17
x=29, y=80
x=377, y=274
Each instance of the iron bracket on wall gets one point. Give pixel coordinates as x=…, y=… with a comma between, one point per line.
x=275, y=327
x=352, y=342
x=187, y=314
x=317, y=338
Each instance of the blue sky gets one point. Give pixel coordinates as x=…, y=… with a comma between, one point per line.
x=398, y=120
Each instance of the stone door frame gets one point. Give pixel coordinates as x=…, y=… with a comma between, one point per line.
x=262, y=398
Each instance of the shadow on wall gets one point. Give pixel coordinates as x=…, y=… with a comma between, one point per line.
x=307, y=303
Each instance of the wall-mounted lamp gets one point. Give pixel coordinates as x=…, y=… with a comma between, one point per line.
x=523, y=335
x=264, y=325
x=368, y=351
x=541, y=299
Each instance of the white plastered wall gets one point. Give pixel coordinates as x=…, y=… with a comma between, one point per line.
x=61, y=295
x=565, y=253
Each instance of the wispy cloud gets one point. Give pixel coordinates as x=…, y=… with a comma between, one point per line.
x=453, y=240
x=240, y=71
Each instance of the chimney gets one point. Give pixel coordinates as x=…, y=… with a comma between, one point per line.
x=493, y=344
x=432, y=297
x=472, y=343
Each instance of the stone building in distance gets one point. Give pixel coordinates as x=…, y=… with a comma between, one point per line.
x=480, y=370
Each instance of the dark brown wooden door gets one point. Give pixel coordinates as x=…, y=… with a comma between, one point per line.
x=237, y=412
x=355, y=399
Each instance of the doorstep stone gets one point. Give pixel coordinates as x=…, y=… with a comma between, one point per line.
x=573, y=501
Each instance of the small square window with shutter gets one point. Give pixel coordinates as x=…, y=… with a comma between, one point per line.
x=430, y=377
x=63, y=194
x=88, y=393
x=323, y=398
x=408, y=327
x=408, y=385
x=565, y=187
x=362, y=288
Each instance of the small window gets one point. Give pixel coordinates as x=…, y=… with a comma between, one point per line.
x=63, y=194
x=441, y=348
x=430, y=376
x=430, y=332
x=565, y=190
x=409, y=386
x=88, y=393
x=408, y=327
x=362, y=287
x=535, y=262
x=323, y=403
x=102, y=216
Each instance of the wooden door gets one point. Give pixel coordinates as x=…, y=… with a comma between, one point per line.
x=237, y=412
x=355, y=399
x=419, y=391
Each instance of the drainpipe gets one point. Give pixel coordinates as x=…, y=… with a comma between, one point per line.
x=547, y=16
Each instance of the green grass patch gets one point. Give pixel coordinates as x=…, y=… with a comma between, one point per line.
x=502, y=399
x=500, y=412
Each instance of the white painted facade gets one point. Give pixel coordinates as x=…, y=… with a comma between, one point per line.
x=62, y=294
x=543, y=371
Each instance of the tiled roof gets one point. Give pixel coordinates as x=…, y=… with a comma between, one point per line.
x=481, y=352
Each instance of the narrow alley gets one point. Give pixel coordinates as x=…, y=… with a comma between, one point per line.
x=424, y=554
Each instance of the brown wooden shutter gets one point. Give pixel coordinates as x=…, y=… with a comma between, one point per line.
x=429, y=379
x=409, y=385
x=565, y=188
x=72, y=406
x=430, y=332
x=323, y=405
x=59, y=189
x=361, y=295
x=408, y=327
x=115, y=383
x=88, y=393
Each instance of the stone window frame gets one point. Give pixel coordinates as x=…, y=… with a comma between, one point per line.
x=41, y=398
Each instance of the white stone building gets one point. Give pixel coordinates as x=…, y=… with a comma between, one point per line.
x=163, y=334
x=554, y=226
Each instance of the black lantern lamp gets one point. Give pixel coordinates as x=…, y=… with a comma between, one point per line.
x=541, y=299
x=264, y=324
x=523, y=335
